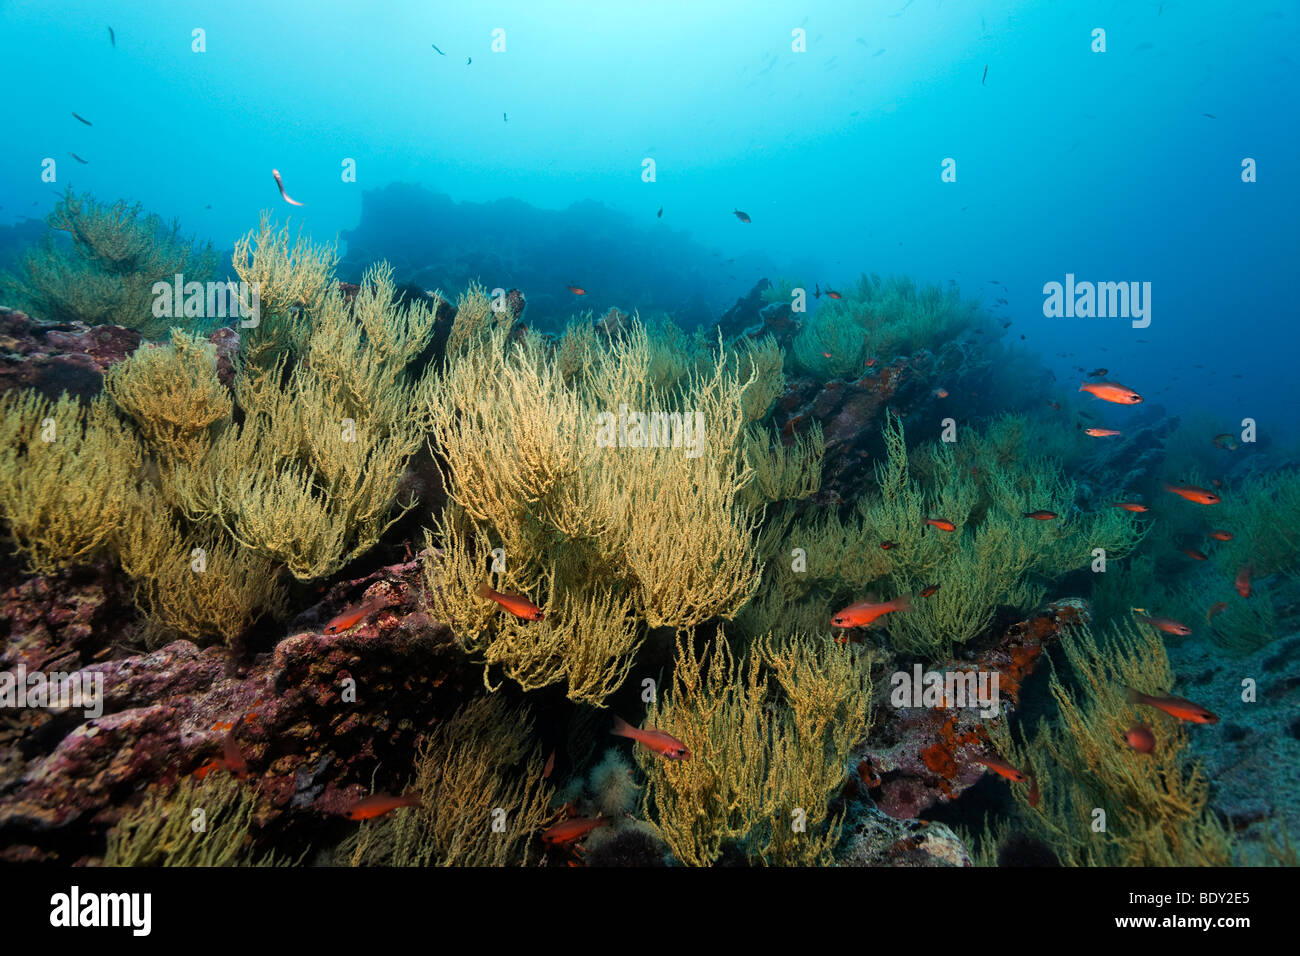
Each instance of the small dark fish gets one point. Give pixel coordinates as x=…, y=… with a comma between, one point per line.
x=985, y=76
x=887, y=546
x=931, y=590
x=469, y=60
x=878, y=52
x=742, y=216
x=1209, y=116
x=112, y=37
x=504, y=118
x=660, y=213
x=83, y=119
x=435, y=46
x=208, y=206
x=79, y=159
x=1098, y=372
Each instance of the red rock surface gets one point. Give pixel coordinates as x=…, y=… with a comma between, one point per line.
x=167, y=712
x=925, y=755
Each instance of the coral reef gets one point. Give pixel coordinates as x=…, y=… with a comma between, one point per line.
x=763, y=773
x=1103, y=802
x=475, y=811
x=545, y=471
x=105, y=271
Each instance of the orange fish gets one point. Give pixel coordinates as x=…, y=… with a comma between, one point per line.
x=1166, y=624
x=1174, y=707
x=834, y=295
x=1002, y=768
x=284, y=195
x=576, y=290
x=1194, y=554
x=1112, y=392
x=743, y=217
x=354, y=616
x=516, y=604
x=887, y=546
x=215, y=763
x=550, y=765
x=931, y=590
x=571, y=831
x=1101, y=432
x=1135, y=506
x=943, y=524
x=1218, y=534
x=1242, y=582
x=1218, y=607
x=940, y=393
x=870, y=362
x=1140, y=738
x=826, y=355
x=864, y=612
x=867, y=775
x=1040, y=515
x=666, y=745
x=378, y=804
x=1192, y=493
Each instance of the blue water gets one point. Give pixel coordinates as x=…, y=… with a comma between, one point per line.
x=1067, y=160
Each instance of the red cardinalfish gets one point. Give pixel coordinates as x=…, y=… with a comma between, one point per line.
x=664, y=744
x=284, y=195
x=1242, y=582
x=864, y=612
x=1218, y=534
x=1218, y=607
x=943, y=524
x=1002, y=768
x=576, y=289
x=1140, y=738
x=516, y=604
x=1174, y=707
x=1135, y=506
x=571, y=831
x=1101, y=432
x=1112, y=392
x=376, y=805
x=1040, y=515
x=1200, y=496
x=1166, y=624
x=355, y=615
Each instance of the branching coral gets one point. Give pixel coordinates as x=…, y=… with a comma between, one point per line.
x=783, y=473
x=583, y=519
x=64, y=474
x=880, y=318
x=480, y=775
x=993, y=557
x=107, y=272
x=1103, y=803
x=207, y=498
x=172, y=395
x=202, y=588
x=197, y=824
x=762, y=770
